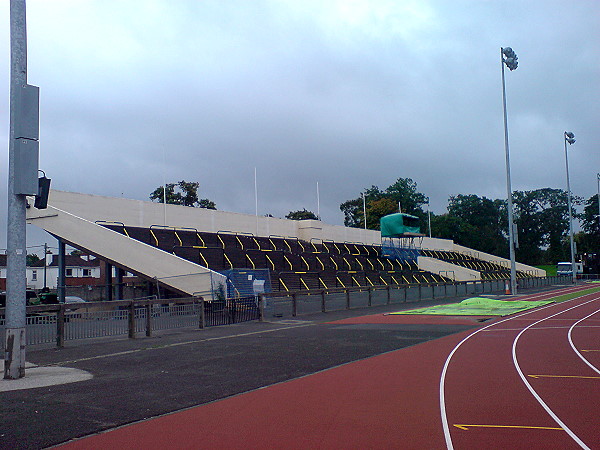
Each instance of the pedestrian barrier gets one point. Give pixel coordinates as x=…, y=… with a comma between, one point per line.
x=59, y=323
x=300, y=302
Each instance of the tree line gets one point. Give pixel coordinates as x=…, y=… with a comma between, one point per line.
x=540, y=215
x=480, y=223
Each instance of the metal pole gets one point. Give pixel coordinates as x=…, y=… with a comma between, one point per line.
x=511, y=247
x=429, y=216
x=119, y=282
x=364, y=209
x=108, y=279
x=164, y=188
x=256, y=199
x=45, y=256
x=598, y=176
x=14, y=342
x=574, y=273
x=318, y=203
x=61, y=288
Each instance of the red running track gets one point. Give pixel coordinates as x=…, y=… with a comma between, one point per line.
x=414, y=397
x=518, y=383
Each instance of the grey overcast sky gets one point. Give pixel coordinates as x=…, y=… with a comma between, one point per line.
x=346, y=93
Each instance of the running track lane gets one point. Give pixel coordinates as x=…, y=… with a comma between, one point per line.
x=488, y=405
x=386, y=401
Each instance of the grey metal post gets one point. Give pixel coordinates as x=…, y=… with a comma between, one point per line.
x=572, y=242
x=45, y=265
x=60, y=326
x=108, y=280
x=294, y=305
x=14, y=341
x=131, y=319
x=202, y=321
x=119, y=283
x=598, y=176
x=148, y=318
x=511, y=239
x=61, y=271
x=261, y=307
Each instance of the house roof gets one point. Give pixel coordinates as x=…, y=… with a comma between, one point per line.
x=70, y=261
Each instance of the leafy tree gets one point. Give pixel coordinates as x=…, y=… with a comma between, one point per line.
x=172, y=197
x=182, y=193
x=376, y=209
x=479, y=223
x=446, y=226
x=31, y=259
x=543, y=223
x=206, y=203
x=301, y=215
x=588, y=241
x=381, y=203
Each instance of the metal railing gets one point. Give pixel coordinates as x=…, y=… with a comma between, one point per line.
x=295, y=303
x=59, y=323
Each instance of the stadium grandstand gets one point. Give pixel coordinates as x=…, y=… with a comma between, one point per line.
x=196, y=251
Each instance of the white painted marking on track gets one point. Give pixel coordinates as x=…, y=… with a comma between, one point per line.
x=445, y=426
x=528, y=385
x=577, y=352
x=541, y=328
x=549, y=294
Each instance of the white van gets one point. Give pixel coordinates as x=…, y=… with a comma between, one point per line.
x=565, y=268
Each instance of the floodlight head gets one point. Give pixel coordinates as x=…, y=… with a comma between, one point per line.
x=571, y=141
x=511, y=63
x=569, y=134
x=511, y=58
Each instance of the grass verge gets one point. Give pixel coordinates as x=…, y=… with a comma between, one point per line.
x=565, y=297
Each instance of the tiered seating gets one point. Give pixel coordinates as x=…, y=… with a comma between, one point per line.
x=488, y=270
x=294, y=264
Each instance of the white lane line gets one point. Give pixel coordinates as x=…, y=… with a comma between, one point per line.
x=528, y=385
x=444, y=417
x=445, y=426
x=542, y=328
x=577, y=352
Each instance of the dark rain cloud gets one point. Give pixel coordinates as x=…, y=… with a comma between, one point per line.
x=346, y=94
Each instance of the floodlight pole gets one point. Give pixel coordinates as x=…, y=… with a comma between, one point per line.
x=568, y=137
x=598, y=178
x=318, y=203
x=14, y=342
x=511, y=241
x=429, y=216
x=364, y=209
